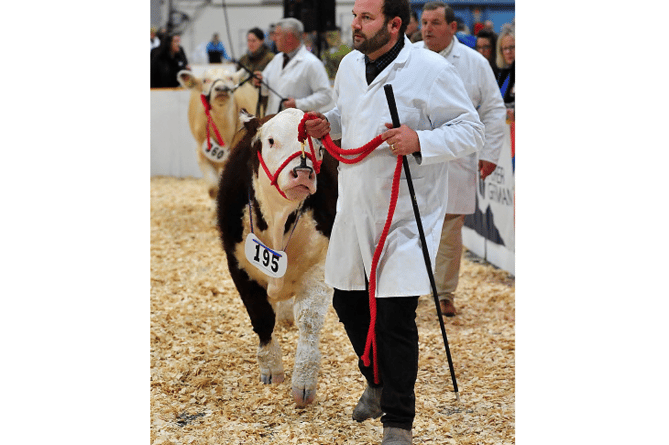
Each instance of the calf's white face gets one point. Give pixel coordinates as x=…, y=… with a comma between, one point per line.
x=279, y=141
x=219, y=83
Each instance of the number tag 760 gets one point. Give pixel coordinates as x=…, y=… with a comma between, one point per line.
x=271, y=262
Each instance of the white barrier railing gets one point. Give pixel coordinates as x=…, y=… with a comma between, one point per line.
x=490, y=232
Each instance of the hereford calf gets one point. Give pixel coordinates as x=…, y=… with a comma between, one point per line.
x=218, y=93
x=293, y=217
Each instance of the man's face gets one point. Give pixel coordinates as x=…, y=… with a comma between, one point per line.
x=437, y=34
x=283, y=40
x=370, y=32
x=484, y=46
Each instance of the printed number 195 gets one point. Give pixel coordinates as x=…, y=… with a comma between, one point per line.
x=267, y=257
x=271, y=263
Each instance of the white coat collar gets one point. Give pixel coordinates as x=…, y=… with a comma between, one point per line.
x=451, y=48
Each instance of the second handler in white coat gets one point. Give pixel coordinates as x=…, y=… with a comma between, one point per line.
x=439, y=124
x=296, y=78
x=438, y=30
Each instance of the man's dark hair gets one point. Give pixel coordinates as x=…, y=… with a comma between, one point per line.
x=448, y=11
x=397, y=8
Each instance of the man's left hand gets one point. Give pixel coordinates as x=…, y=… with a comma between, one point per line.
x=485, y=168
x=402, y=140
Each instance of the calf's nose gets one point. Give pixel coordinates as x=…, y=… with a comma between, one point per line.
x=305, y=172
x=303, y=169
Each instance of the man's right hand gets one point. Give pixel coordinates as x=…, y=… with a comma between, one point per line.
x=319, y=127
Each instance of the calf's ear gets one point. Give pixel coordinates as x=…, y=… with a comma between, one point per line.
x=187, y=79
x=238, y=76
x=249, y=121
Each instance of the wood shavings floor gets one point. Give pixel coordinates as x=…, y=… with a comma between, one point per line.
x=205, y=385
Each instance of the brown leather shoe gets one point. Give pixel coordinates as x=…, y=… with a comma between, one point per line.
x=447, y=308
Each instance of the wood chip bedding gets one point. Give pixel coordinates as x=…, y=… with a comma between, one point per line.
x=205, y=383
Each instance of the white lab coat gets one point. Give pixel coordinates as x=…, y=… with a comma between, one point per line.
x=431, y=99
x=304, y=78
x=482, y=89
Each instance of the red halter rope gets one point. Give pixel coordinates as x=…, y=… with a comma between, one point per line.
x=210, y=121
x=362, y=152
x=274, y=177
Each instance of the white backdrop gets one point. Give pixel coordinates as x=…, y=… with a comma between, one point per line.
x=172, y=144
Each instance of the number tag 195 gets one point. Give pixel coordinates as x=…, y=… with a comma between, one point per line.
x=271, y=262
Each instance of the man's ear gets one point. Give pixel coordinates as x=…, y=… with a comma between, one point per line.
x=454, y=26
x=395, y=24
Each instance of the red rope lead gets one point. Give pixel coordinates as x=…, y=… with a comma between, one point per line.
x=362, y=152
x=210, y=121
x=335, y=151
x=371, y=334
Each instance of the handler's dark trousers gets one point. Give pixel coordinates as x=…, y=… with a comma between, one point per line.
x=397, y=340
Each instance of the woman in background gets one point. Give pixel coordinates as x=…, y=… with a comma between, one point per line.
x=258, y=55
x=506, y=61
x=486, y=41
x=167, y=60
x=256, y=59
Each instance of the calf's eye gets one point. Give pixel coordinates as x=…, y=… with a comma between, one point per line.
x=271, y=141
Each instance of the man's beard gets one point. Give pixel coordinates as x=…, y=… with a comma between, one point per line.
x=371, y=44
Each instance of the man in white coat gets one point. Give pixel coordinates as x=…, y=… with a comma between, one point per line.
x=439, y=124
x=438, y=30
x=296, y=78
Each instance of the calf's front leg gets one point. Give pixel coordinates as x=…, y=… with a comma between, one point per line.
x=310, y=307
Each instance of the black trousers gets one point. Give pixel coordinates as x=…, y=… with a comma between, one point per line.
x=397, y=342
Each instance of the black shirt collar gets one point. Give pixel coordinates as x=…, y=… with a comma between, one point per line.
x=383, y=61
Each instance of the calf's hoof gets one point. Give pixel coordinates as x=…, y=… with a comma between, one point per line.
x=303, y=397
x=271, y=378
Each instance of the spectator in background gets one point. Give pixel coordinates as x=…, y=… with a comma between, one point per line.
x=295, y=74
x=413, y=31
x=272, y=39
x=216, y=50
x=506, y=61
x=162, y=33
x=486, y=41
x=489, y=26
x=258, y=55
x=439, y=27
x=155, y=41
x=463, y=33
x=166, y=61
x=335, y=52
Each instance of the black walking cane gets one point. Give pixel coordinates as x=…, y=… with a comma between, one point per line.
x=396, y=123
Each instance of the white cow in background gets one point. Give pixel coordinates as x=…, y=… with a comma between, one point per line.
x=213, y=115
